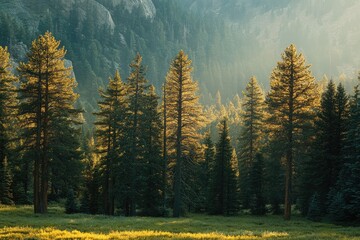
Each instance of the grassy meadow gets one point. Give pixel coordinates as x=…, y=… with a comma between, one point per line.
x=20, y=223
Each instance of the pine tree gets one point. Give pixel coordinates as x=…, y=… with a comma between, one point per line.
x=223, y=192
x=320, y=173
x=152, y=169
x=8, y=111
x=110, y=137
x=137, y=86
x=183, y=120
x=47, y=103
x=291, y=102
x=344, y=197
x=250, y=139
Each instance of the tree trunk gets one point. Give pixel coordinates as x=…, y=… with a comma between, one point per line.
x=288, y=183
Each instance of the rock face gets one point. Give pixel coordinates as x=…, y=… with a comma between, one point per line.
x=147, y=7
x=30, y=11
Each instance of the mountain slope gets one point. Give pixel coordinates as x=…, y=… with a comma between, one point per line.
x=228, y=41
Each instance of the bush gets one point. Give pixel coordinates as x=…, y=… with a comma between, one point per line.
x=314, y=212
x=71, y=205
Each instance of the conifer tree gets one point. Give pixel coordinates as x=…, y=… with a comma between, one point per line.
x=8, y=111
x=183, y=120
x=344, y=197
x=223, y=192
x=291, y=102
x=250, y=136
x=137, y=86
x=47, y=103
x=152, y=169
x=110, y=137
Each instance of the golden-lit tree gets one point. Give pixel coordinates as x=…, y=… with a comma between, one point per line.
x=47, y=108
x=8, y=111
x=110, y=127
x=183, y=119
x=291, y=101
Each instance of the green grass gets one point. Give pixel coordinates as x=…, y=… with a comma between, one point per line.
x=21, y=223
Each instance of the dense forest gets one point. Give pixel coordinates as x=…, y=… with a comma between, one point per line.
x=149, y=129
x=292, y=148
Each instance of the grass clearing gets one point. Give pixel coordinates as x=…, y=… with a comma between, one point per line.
x=19, y=222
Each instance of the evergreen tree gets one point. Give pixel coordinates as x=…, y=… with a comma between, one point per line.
x=183, y=120
x=291, y=102
x=344, y=197
x=223, y=192
x=250, y=139
x=47, y=104
x=136, y=87
x=152, y=169
x=319, y=173
x=110, y=126
x=8, y=111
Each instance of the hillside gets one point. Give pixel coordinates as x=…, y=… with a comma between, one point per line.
x=228, y=41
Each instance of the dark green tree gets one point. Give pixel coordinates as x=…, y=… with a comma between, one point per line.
x=110, y=126
x=224, y=184
x=152, y=161
x=71, y=205
x=250, y=140
x=315, y=209
x=136, y=90
x=344, y=197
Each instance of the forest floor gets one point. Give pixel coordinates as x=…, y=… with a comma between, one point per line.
x=20, y=223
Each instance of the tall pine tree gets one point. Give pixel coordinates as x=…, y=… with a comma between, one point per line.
x=152, y=170
x=224, y=184
x=47, y=104
x=110, y=126
x=183, y=120
x=137, y=85
x=291, y=102
x=250, y=139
